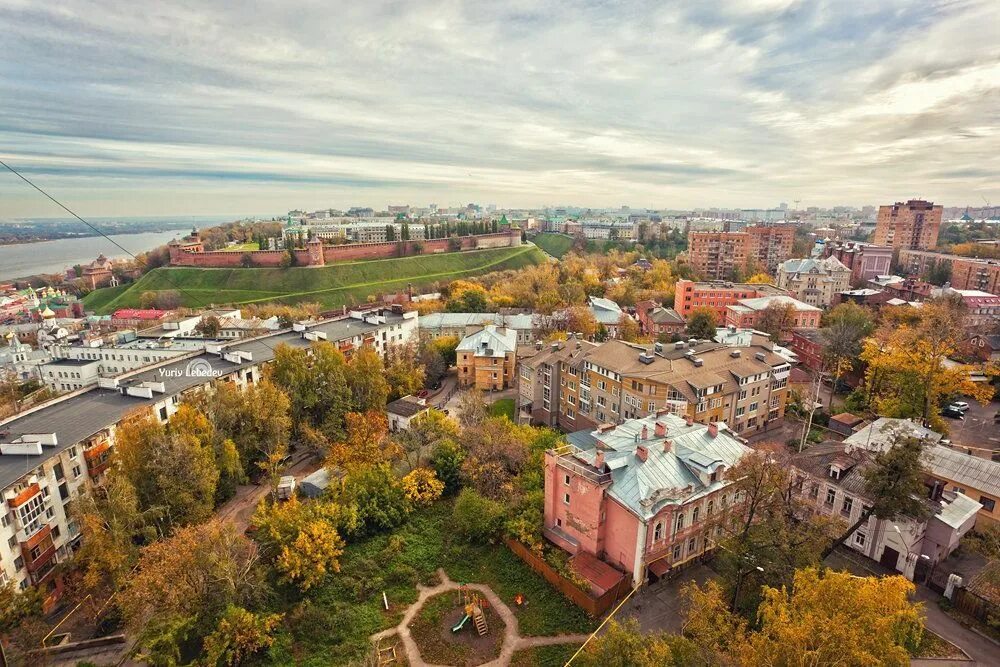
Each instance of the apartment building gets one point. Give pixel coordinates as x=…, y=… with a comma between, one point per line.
x=55, y=451
x=913, y=225
x=616, y=381
x=829, y=479
x=542, y=375
x=966, y=272
x=655, y=320
x=487, y=359
x=717, y=295
x=647, y=497
x=718, y=255
x=816, y=282
x=866, y=261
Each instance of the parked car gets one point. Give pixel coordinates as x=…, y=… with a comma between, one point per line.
x=423, y=393
x=952, y=413
x=960, y=405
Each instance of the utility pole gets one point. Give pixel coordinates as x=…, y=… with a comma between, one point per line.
x=818, y=380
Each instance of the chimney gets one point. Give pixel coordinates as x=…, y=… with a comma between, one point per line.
x=641, y=453
x=660, y=429
x=689, y=419
x=645, y=432
x=713, y=429
x=599, y=461
x=668, y=446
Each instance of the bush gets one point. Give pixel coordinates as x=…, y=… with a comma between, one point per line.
x=422, y=486
x=477, y=518
x=378, y=497
x=447, y=463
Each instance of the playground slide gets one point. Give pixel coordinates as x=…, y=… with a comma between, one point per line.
x=461, y=623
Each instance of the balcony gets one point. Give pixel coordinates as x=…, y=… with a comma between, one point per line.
x=566, y=458
x=98, y=458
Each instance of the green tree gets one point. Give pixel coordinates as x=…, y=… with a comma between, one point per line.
x=403, y=371
x=476, y=517
x=239, y=634
x=894, y=485
x=702, y=323
x=209, y=327
x=447, y=463
x=625, y=645
x=843, y=332
x=379, y=498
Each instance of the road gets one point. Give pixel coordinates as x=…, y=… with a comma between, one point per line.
x=240, y=507
x=978, y=647
x=977, y=429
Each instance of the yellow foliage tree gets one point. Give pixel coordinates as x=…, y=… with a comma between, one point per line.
x=239, y=635
x=760, y=279
x=366, y=442
x=422, y=487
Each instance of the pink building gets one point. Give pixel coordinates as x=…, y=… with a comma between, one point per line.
x=647, y=497
x=746, y=313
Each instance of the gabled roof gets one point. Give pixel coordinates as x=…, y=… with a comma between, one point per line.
x=489, y=342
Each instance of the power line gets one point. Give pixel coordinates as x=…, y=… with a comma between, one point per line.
x=128, y=252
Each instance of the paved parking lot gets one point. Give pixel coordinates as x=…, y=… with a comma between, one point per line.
x=977, y=429
x=660, y=606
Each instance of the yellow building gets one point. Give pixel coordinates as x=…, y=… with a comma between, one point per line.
x=486, y=359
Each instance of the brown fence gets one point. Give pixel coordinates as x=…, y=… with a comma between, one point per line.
x=594, y=606
x=971, y=604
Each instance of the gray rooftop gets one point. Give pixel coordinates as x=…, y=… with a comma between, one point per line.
x=84, y=414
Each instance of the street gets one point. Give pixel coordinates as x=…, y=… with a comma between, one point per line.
x=240, y=507
x=977, y=429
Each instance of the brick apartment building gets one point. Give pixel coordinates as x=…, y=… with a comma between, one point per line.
x=655, y=320
x=581, y=386
x=966, y=272
x=814, y=281
x=647, y=497
x=865, y=260
x=717, y=295
x=487, y=358
x=718, y=255
x=914, y=225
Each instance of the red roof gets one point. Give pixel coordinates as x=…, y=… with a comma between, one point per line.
x=601, y=576
x=138, y=314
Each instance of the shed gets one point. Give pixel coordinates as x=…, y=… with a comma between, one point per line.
x=845, y=423
x=315, y=484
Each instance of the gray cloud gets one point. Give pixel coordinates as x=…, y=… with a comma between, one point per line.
x=201, y=107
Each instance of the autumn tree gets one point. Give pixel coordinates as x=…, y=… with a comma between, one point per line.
x=192, y=575
x=625, y=645
x=423, y=436
x=760, y=279
x=628, y=329
x=580, y=320
x=316, y=381
x=472, y=408
x=304, y=539
x=403, y=371
x=776, y=319
x=366, y=442
x=421, y=486
x=768, y=535
x=435, y=366
x=239, y=634
x=843, y=333
x=701, y=323
x=894, y=486
x=496, y=452
x=367, y=381
x=209, y=327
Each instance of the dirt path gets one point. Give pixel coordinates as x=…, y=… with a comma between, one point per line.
x=512, y=639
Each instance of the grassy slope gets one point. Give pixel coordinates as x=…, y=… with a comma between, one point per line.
x=556, y=245
x=331, y=286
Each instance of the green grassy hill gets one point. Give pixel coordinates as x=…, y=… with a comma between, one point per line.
x=556, y=245
x=331, y=286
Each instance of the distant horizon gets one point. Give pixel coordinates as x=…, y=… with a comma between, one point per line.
x=202, y=109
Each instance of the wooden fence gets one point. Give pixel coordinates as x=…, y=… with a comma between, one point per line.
x=971, y=604
x=594, y=606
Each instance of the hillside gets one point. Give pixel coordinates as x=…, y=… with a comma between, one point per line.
x=556, y=245
x=330, y=286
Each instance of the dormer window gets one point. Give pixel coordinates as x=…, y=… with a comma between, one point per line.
x=835, y=472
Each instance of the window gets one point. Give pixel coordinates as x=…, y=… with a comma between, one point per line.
x=18, y=564
x=658, y=532
x=831, y=495
x=76, y=471
x=679, y=523
x=566, y=498
x=677, y=551
x=847, y=506
x=566, y=480
x=988, y=503
x=694, y=515
x=692, y=545
x=834, y=472
x=559, y=522
x=709, y=508
x=814, y=491
x=859, y=538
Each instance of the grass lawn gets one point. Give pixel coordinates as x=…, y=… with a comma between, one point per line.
x=242, y=247
x=544, y=656
x=556, y=245
x=344, y=283
x=503, y=408
x=935, y=646
x=331, y=623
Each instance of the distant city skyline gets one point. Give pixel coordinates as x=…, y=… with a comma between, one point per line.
x=208, y=109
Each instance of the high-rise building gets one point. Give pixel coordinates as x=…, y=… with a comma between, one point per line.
x=913, y=225
x=718, y=255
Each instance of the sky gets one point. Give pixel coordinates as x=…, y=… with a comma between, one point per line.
x=210, y=107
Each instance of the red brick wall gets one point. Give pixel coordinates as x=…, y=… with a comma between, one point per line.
x=347, y=252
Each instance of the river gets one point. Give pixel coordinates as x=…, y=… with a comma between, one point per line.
x=28, y=259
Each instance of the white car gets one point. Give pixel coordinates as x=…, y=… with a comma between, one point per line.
x=960, y=405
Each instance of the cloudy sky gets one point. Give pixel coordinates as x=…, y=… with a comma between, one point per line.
x=199, y=107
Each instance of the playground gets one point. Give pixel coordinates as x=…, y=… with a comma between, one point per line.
x=459, y=624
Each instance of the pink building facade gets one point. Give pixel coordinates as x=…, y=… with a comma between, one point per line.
x=647, y=497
